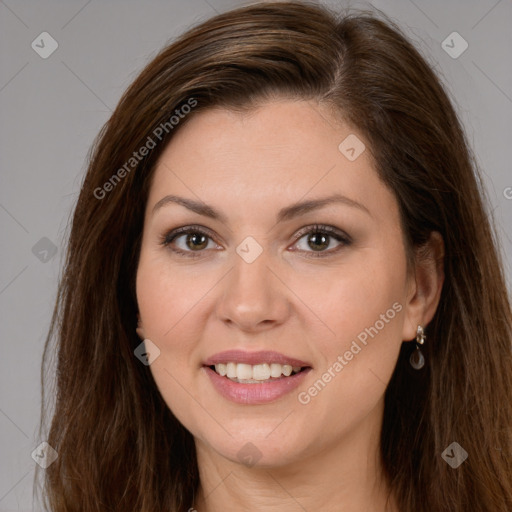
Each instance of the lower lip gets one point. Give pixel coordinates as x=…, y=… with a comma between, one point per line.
x=253, y=394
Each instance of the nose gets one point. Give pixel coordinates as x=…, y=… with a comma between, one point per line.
x=254, y=297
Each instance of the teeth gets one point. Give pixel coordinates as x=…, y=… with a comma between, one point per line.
x=257, y=372
x=231, y=370
x=275, y=370
x=243, y=371
x=261, y=371
x=221, y=369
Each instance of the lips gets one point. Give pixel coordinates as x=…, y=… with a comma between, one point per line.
x=254, y=358
x=252, y=377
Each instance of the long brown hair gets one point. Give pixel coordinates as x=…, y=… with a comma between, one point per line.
x=120, y=447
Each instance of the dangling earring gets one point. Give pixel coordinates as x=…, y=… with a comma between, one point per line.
x=417, y=359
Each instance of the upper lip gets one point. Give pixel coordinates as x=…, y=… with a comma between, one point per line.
x=252, y=358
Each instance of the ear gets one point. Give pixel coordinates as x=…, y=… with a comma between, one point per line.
x=140, y=329
x=425, y=285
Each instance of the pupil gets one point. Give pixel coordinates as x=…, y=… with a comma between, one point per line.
x=319, y=239
x=198, y=241
x=192, y=241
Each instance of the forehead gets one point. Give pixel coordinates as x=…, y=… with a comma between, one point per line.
x=278, y=153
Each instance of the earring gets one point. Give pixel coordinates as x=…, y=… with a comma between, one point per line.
x=417, y=359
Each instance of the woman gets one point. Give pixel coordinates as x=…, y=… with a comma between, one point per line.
x=282, y=288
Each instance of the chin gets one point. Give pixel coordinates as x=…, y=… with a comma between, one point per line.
x=255, y=447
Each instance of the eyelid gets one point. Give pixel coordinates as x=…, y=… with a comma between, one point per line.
x=331, y=231
x=168, y=237
x=343, y=238
x=322, y=228
x=192, y=228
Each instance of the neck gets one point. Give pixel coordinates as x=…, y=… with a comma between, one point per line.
x=346, y=477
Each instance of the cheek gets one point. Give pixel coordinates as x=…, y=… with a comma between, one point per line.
x=166, y=311
x=174, y=304
x=166, y=302
x=364, y=301
x=364, y=310
x=166, y=297
x=358, y=297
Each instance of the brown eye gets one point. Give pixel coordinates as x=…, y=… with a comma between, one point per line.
x=187, y=241
x=196, y=241
x=318, y=241
x=321, y=241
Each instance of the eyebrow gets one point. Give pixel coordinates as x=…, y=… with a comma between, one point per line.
x=285, y=214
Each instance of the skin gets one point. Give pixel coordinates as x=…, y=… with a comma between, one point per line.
x=323, y=455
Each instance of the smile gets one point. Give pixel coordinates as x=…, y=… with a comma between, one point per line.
x=255, y=374
x=254, y=377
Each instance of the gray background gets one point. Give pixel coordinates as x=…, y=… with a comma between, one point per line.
x=52, y=109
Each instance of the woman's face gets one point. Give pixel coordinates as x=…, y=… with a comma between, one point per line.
x=294, y=259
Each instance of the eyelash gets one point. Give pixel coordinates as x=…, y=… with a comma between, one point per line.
x=330, y=231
